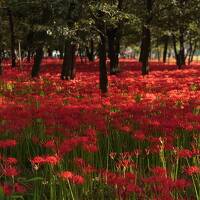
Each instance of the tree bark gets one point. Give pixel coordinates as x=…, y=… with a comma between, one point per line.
x=102, y=65
x=1, y=48
x=166, y=41
x=182, y=50
x=145, y=50
x=37, y=61
x=29, y=56
x=113, y=47
x=90, y=51
x=146, y=40
x=12, y=37
x=68, y=68
x=49, y=50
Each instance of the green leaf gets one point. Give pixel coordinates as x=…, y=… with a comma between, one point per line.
x=33, y=179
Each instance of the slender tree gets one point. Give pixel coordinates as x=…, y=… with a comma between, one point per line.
x=12, y=36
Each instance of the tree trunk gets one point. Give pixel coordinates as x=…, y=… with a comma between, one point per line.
x=29, y=44
x=182, y=51
x=146, y=40
x=102, y=65
x=113, y=50
x=37, y=61
x=68, y=68
x=1, y=68
x=1, y=48
x=193, y=52
x=12, y=37
x=145, y=50
x=49, y=52
x=29, y=56
x=73, y=62
x=166, y=41
x=90, y=52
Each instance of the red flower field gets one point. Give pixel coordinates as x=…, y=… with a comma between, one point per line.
x=63, y=140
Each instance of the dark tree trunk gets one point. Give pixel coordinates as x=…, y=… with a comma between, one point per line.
x=29, y=56
x=37, y=62
x=29, y=45
x=61, y=48
x=49, y=53
x=90, y=51
x=12, y=37
x=113, y=47
x=73, y=61
x=193, y=52
x=182, y=51
x=61, y=53
x=180, y=56
x=1, y=49
x=175, y=49
x=68, y=68
x=145, y=50
x=102, y=65
x=166, y=41
x=1, y=68
x=146, y=40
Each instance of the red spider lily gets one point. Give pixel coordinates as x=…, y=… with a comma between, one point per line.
x=192, y=170
x=125, y=184
x=184, y=153
x=76, y=179
x=7, y=143
x=11, y=161
x=19, y=188
x=84, y=166
x=52, y=160
x=10, y=171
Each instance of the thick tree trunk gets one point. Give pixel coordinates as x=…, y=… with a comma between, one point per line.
x=68, y=68
x=145, y=50
x=12, y=37
x=37, y=61
x=102, y=65
x=166, y=41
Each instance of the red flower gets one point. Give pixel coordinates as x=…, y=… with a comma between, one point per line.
x=181, y=184
x=79, y=180
x=76, y=179
x=139, y=135
x=159, y=171
x=38, y=160
x=11, y=161
x=192, y=170
x=10, y=171
x=184, y=153
x=19, y=188
x=66, y=175
x=7, y=143
x=7, y=189
x=53, y=160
